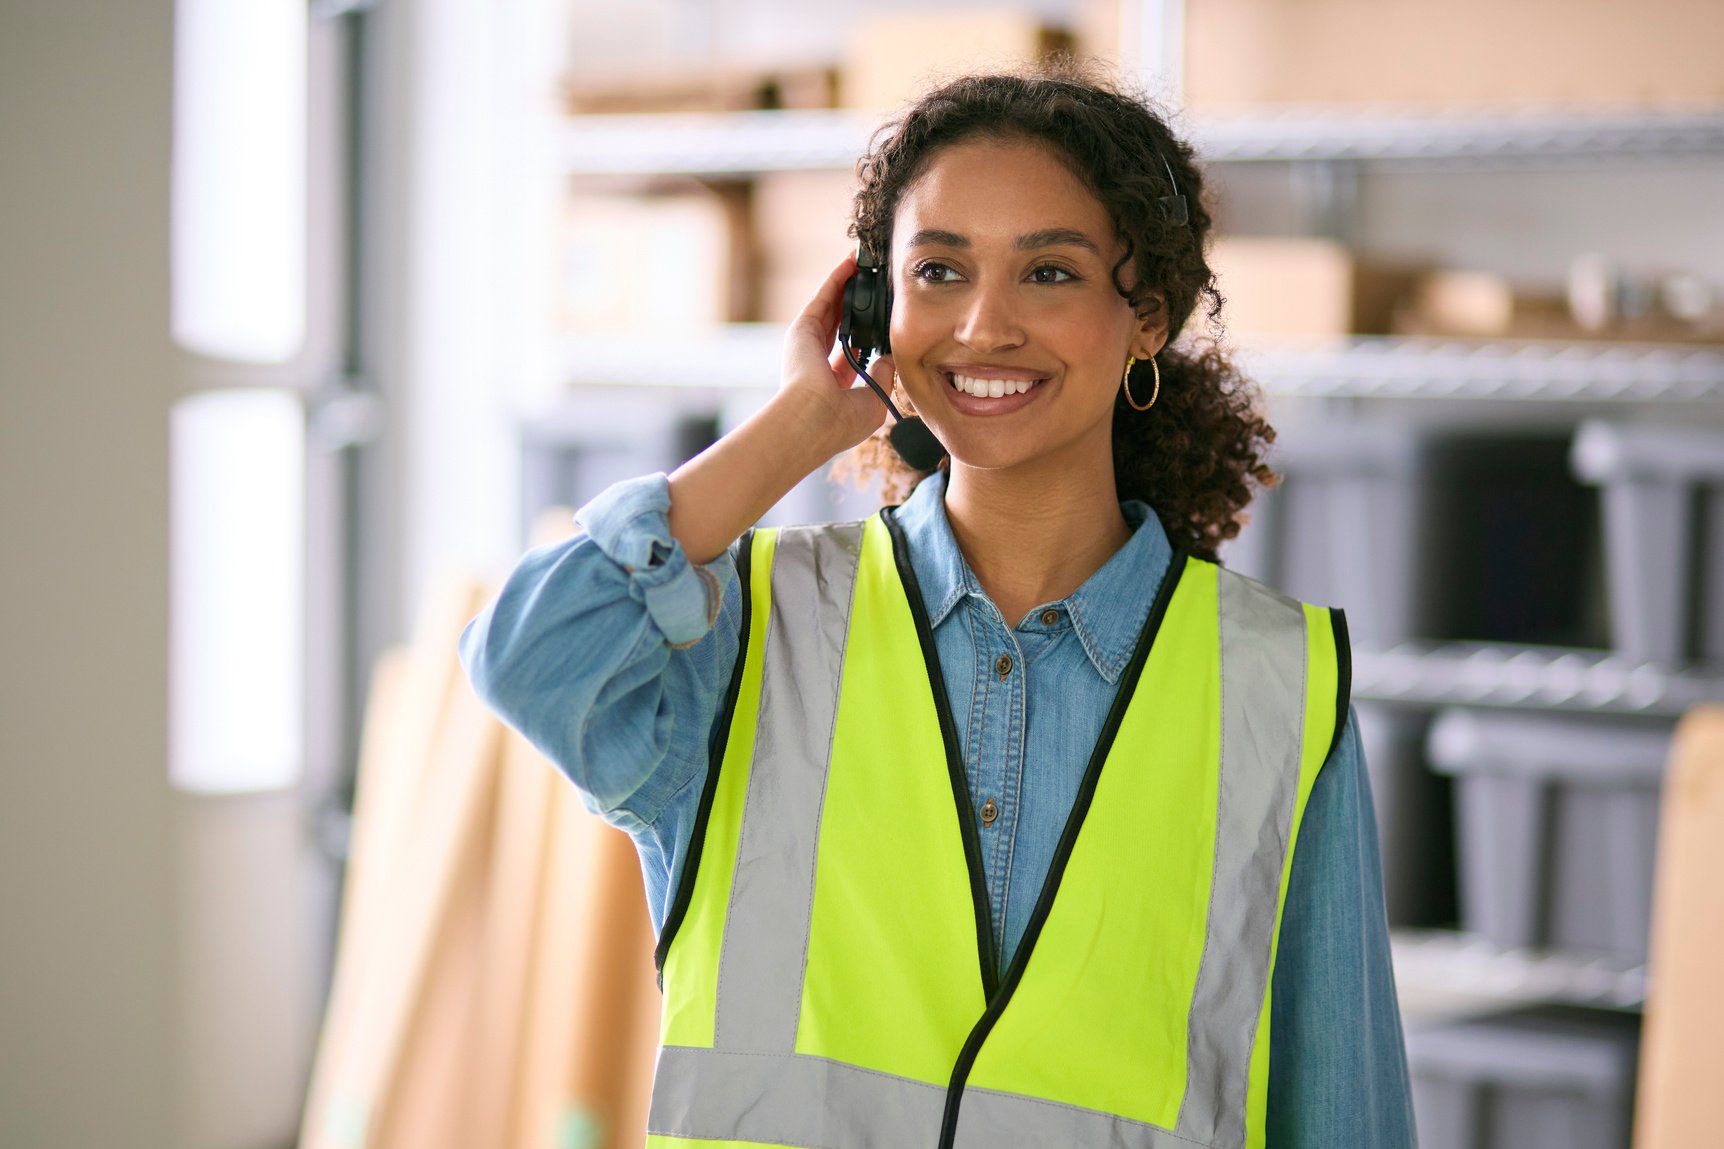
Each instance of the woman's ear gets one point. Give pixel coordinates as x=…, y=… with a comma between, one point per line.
x=1151, y=333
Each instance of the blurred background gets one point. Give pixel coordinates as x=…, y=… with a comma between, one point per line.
x=313, y=316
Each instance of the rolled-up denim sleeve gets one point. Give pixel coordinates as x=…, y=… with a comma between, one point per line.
x=1337, y=1056
x=610, y=652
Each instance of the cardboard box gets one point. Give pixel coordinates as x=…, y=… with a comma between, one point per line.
x=655, y=263
x=1481, y=305
x=701, y=90
x=1244, y=54
x=891, y=59
x=1281, y=288
x=799, y=224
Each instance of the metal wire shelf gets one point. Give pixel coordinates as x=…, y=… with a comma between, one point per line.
x=743, y=143
x=747, y=355
x=1438, y=963
x=1537, y=370
x=1547, y=678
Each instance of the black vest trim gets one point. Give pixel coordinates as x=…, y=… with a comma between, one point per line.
x=715, y=762
x=954, y=759
x=998, y=1001
x=1343, y=676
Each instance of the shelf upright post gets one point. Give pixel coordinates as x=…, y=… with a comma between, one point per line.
x=1326, y=197
x=1152, y=39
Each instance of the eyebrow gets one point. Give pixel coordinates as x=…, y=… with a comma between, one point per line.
x=1047, y=237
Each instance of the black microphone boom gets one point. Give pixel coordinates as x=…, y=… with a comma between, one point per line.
x=910, y=437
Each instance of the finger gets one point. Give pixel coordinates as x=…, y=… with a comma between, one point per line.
x=822, y=312
x=841, y=368
x=885, y=372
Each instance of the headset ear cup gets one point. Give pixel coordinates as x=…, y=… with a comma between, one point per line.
x=885, y=309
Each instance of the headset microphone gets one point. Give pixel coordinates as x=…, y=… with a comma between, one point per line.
x=862, y=327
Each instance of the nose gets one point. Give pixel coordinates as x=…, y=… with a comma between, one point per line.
x=990, y=320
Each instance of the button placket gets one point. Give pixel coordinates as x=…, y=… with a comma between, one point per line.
x=993, y=778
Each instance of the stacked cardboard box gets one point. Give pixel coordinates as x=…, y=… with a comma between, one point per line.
x=673, y=259
x=1281, y=288
x=1245, y=54
x=800, y=220
x=890, y=58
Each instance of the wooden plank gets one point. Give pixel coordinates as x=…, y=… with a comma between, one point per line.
x=384, y=706
x=423, y=826
x=514, y=899
x=592, y=964
x=426, y=1103
x=1682, y=1059
x=555, y=967
x=639, y=1050
x=605, y=1075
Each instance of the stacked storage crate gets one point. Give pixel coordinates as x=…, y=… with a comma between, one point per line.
x=1522, y=514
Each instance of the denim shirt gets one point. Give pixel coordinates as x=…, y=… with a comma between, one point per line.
x=611, y=653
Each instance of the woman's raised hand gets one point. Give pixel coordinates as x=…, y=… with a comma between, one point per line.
x=817, y=372
x=815, y=414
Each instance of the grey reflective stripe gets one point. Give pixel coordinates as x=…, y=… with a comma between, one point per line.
x=989, y=1120
x=816, y=1103
x=772, y=892
x=1263, y=663
x=790, y=1099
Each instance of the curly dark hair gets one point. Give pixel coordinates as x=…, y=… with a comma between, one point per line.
x=1194, y=455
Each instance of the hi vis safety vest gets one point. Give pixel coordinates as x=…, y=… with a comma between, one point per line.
x=828, y=961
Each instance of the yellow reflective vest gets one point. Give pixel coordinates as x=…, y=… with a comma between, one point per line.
x=827, y=961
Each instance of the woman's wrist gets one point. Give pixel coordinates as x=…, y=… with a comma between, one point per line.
x=724, y=490
x=811, y=427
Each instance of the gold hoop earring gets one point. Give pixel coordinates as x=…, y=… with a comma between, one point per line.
x=1125, y=382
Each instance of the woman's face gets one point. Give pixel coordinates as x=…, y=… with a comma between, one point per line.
x=1007, y=332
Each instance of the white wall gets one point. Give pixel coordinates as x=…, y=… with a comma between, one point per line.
x=86, y=378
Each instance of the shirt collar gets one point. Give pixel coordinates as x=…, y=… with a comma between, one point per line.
x=1107, y=612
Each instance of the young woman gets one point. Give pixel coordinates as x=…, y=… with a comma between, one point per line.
x=1005, y=817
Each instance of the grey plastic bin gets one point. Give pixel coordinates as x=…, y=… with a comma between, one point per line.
x=1664, y=536
x=1341, y=529
x=1414, y=821
x=1533, y=1079
x=1557, y=820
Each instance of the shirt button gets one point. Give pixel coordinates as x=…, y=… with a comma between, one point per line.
x=990, y=811
x=1049, y=617
x=1003, y=665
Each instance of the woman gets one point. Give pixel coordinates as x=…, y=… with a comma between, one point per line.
x=1005, y=817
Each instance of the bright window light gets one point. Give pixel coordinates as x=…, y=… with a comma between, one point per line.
x=236, y=609
x=239, y=191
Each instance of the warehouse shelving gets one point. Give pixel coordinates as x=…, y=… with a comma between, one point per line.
x=747, y=355
x=745, y=143
x=1501, y=675
x=1530, y=370
x=1432, y=965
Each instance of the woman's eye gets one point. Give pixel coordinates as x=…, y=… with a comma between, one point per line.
x=932, y=272
x=1048, y=273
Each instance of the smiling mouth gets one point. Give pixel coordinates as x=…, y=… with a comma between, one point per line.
x=990, y=388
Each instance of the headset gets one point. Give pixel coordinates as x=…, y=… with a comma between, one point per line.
x=864, y=325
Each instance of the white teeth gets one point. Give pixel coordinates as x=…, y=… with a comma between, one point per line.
x=990, y=388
